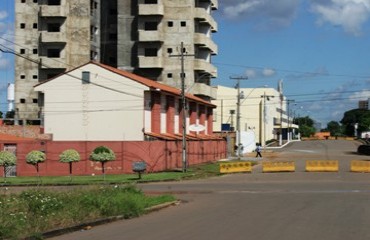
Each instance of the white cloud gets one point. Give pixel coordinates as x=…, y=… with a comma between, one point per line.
x=264, y=13
x=268, y=72
x=260, y=73
x=359, y=96
x=3, y=15
x=348, y=14
x=251, y=73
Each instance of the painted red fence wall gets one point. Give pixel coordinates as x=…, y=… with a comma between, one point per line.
x=159, y=156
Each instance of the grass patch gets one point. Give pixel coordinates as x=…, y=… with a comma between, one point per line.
x=35, y=211
x=193, y=172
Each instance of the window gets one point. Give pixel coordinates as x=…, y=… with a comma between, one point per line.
x=169, y=75
x=93, y=55
x=53, y=2
x=22, y=100
x=85, y=77
x=34, y=51
x=169, y=50
x=35, y=100
x=23, y=1
x=35, y=25
x=151, y=52
x=53, y=27
x=170, y=24
x=151, y=1
x=113, y=36
x=23, y=51
x=23, y=25
x=34, y=76
x=53, y=53
x=151, y=26
x=183, y=24
x=23, y=76
x=35, y=1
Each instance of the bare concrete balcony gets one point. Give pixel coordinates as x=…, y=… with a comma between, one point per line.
x=204, y=16
x=204, y=89
x=47, y=62
x=214, y=4
x=52, y=11
x=50, y=37
x=203, y=65
x=204, y=41
x=150, y=62
x=151, y=9
x=150, y=36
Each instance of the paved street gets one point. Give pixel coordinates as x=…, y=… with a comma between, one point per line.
x=261, y=206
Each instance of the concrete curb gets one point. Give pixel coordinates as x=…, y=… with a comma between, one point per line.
x=97, y=222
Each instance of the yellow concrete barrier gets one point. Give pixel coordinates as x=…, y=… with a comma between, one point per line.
x=322, y=166
x=360, y=166
x=278, y=167
x=234, y=167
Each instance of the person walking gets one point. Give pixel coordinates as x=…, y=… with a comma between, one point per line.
x=258, y=150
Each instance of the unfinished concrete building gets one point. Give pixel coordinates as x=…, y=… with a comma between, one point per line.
x=142, y=36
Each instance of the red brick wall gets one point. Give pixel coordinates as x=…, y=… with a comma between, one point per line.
x=159, y=156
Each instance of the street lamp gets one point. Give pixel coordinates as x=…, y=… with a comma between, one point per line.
x=265, y=97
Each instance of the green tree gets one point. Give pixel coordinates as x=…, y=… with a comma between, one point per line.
x=359, y=116
x=334, y=128
x=34, y=158
x=102, y=154
x=7, y=159
x=69, y=156
x=306, y=128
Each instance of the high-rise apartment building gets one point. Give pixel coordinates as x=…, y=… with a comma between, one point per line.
x=143, y=36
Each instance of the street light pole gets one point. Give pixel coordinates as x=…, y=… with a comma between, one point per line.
x=238, y=112
x=288, y=102
x=265, y=97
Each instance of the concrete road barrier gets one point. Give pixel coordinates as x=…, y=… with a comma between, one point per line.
x=234, y=167
x=278, y=166
x=322, y=166
x=360, y=166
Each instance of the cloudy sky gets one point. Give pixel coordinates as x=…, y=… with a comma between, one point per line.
x=319, y=48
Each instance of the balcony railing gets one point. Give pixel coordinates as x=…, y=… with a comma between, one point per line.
x=51, y=37
x=150, y=36
x=150, y=62
x=203, y=65
x=47, y=62
x=52, y=11
x=204, y=41
x=202, y=15
x=204, y=89
x=151, y=9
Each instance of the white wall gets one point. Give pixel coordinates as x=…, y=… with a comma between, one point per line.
x=251, y=117
x=76, y=111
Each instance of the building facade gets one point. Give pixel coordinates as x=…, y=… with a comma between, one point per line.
x=263, y=113
x=143, y=37
x=132, y=108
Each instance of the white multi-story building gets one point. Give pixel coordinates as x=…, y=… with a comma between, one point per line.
x=144, y=37
x=261, y=112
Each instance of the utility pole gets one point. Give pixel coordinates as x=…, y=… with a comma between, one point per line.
x=265, y=97
x=183, y=101
x=238, y=112
x=288, y=103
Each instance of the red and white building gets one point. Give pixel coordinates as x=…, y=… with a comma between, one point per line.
x=96, y=102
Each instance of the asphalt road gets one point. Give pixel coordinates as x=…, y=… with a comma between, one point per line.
x=260, y=206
